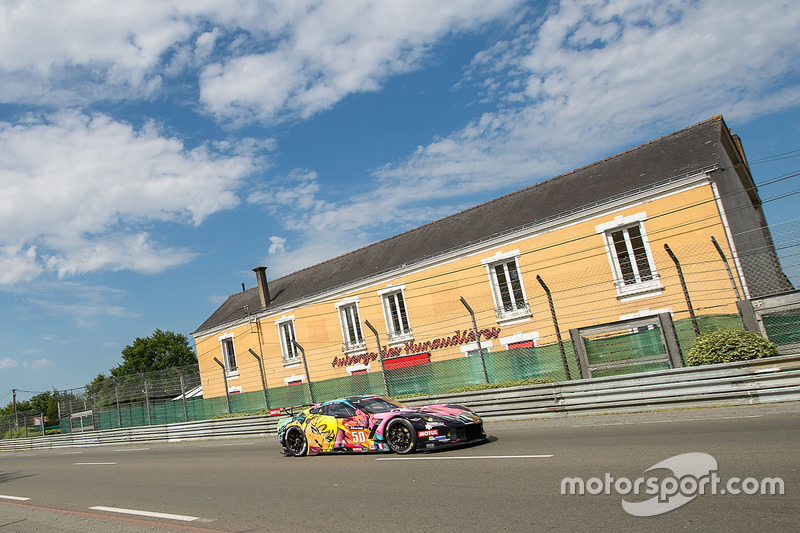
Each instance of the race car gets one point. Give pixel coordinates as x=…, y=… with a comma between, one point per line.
x=374, y=423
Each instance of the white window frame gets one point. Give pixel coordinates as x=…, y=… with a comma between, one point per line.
x=471, y=349
x=289, y=351
x=637, y=287
x=358, y=367
x=518, y=338
x=349, y=312
x=231, y=370
x=388, y=295
x=520, y=310
x=294, y=379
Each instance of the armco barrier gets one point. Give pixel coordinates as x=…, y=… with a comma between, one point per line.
x=776, y=379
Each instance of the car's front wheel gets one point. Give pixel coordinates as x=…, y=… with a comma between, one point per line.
x=401, y=436
x=295, y=442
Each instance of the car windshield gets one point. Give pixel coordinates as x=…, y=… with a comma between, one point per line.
x=376, y=405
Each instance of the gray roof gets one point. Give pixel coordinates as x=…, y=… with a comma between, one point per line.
x=688, y=150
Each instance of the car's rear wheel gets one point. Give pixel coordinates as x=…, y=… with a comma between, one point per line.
x=296, y=443
x=401, y=436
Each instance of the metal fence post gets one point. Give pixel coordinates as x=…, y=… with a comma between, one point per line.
x=581, y=356
x=748, y=316
x=69, y=412
x=670, y=339
x=183, y=394
x=380, y=356
x=685, y=290
x=91, y=395
x=225, y=379
x=477, y=339
x=147, y=400
x=555, y=324
x=305, y=366
x=727, y=267
x=263, y=379
x=116, y=396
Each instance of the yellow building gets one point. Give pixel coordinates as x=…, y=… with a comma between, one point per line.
x=594, y=238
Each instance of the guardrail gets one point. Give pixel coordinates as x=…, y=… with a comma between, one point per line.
x=776, y=379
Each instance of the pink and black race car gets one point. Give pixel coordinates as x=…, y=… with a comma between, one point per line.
x=373, y=423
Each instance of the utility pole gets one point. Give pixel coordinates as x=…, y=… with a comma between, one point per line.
x=16, y=422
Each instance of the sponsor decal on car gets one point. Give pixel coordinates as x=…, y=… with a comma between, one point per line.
x=428, y=433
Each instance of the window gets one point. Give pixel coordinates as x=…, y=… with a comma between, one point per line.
x=339, y=410
x=507, y=288
x=394, y=310
x=630, y=256
x=358, y=368
x=351, y=325
x=286, y=329
x=520, y=340
x=294, y=380
x=405, y=361
x=229, y=355
x=471, y=349
x=523, y=344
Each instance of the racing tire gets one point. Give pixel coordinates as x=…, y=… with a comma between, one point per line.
x=400, y=435
x=295, y=442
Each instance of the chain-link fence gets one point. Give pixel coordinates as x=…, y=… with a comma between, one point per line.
x=27, y=423
x=698, y=284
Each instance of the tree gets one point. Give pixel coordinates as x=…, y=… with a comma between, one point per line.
x=46, y=403
x=160, y=351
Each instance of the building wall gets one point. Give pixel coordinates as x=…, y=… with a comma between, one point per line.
x=570, y=256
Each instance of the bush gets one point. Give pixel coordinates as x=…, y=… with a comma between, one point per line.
x=727, y=346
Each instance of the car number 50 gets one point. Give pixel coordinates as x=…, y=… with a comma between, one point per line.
x=360, y=437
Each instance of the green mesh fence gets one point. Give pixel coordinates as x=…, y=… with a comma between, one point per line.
x=358, y=384
x=783, y=328
x=419, y=380
x=610, y=354
x=543, y=362
x=705, y=323
x=613, y=355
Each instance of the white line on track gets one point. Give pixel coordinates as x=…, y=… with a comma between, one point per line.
x=89, y=464
x=423, y=458
x=667, y=421
x=132, y=450
x=18, y=498
x=182, y=518
x=70, y=453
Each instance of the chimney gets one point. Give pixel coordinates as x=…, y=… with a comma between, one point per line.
x=263, y=287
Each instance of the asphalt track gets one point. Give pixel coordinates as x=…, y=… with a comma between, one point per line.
x=512, y=483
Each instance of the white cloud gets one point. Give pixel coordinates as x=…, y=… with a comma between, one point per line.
x=252, y=60
x=334, y=49
x=7, y=362
x=41, y=363
x=83, y=304
x=75, y=188
x=277, y=246
x=590, y=78
x=47, y=48
x=595, y=76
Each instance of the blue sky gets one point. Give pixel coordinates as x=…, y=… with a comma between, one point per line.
x=153, y=152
